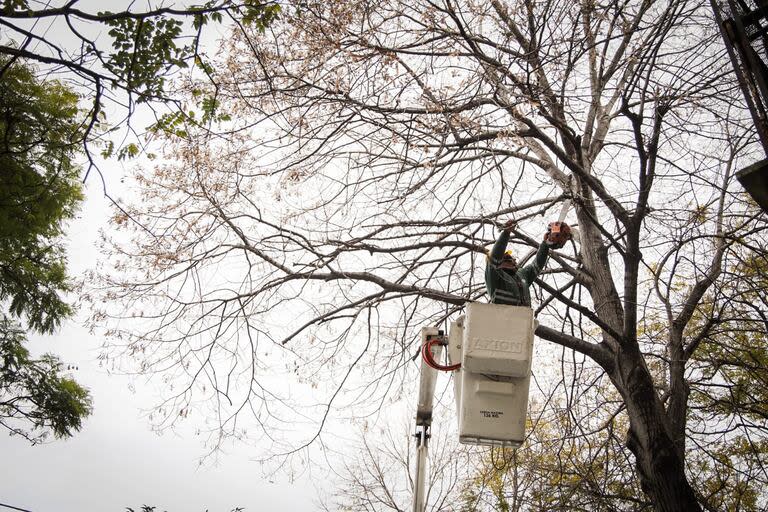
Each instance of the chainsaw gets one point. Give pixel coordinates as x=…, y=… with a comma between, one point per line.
x=558, y=233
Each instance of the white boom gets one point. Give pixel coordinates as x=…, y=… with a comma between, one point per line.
x=427, y=381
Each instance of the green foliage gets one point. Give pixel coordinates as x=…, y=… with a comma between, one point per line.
x=259, y=15
x=178, y=124
x=724, y=474
x=148, y=48
x=145, y=51
x=128, y=151
x=173, y=123
x=558, y=468
x=40, y=137
x=731, y=389
x=36, y=391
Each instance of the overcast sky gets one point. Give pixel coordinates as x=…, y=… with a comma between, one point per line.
x=116, y=461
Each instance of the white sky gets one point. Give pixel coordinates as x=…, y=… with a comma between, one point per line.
x=116, y=461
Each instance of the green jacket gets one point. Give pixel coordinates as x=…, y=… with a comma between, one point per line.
x=505, y=287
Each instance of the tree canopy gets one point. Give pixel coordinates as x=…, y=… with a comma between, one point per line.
x=37, y=396
x=44, y=135
x=40, y=190
x=369, y=150
x=121, y=59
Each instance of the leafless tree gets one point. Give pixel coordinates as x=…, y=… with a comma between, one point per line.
x=377, y=473
x=373, y=149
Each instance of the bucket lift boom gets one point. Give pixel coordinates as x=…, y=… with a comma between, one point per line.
x=427, y=381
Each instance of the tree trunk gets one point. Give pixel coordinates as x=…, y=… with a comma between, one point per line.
x=659, y=460
x=660, y=468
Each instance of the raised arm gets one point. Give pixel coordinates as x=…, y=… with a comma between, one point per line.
x=497, y=253
x=530, y=271
x=499, y=247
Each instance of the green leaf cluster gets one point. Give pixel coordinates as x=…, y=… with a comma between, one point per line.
x=255, y=13
x=259, y=15
x=173, y=123
x=40, y=139
x=145, y=51
x=37, y=391
x=178, y=123
x=13, y=5
x=559, y=468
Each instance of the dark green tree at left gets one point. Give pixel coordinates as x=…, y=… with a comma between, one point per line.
x=41, y=134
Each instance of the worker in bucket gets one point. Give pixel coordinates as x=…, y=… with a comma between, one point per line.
x=506, y=283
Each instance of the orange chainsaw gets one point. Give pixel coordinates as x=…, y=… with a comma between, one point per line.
x=558, y=233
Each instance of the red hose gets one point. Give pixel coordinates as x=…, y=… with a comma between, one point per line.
x=426, y=354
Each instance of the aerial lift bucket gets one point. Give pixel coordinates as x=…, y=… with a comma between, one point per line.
x=495, y=346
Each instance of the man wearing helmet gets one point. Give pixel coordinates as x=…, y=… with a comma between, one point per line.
x=506, y=283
